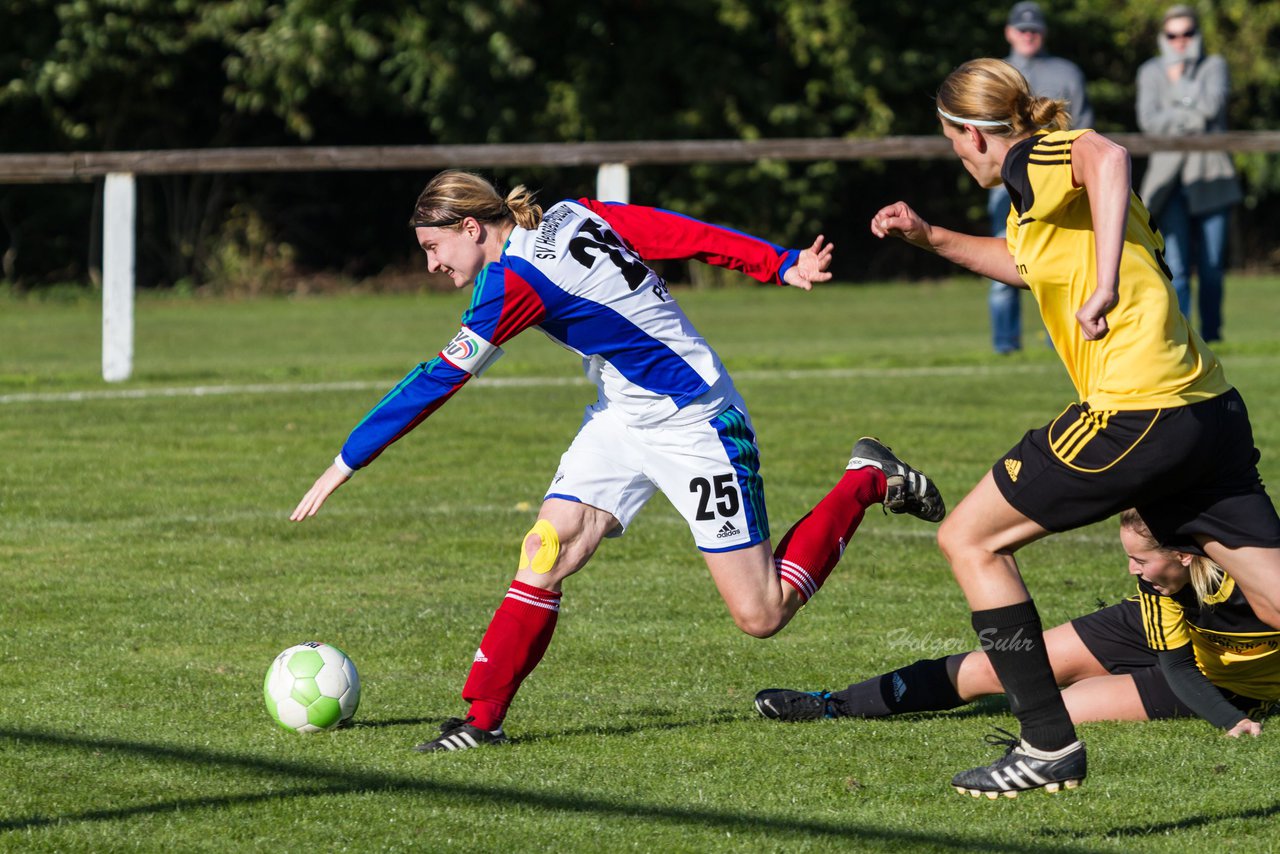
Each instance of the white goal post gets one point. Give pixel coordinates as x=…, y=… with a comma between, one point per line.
x=119, y=213
x=119, y=227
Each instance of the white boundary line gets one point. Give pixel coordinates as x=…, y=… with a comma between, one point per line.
x=507, y=382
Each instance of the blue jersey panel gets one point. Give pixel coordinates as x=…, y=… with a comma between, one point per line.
x=420, y=393
x=739, y=442
x=487, y=298
x=597, y=330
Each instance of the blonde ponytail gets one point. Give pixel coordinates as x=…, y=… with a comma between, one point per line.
x=1206, y=578
x=993, y=95
x=522, y=208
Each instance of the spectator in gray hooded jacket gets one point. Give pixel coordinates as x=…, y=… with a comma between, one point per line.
x=1182, y=92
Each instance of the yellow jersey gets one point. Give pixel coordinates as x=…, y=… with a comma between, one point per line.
x=1150, y=358
x=1233, y=648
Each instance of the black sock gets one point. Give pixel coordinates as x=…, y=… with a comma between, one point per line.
x=920, y=687
x=1013, y=640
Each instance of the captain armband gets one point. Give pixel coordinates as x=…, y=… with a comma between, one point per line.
x=471, y=353
x=545, y=557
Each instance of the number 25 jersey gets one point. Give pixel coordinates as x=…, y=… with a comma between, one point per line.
x=580, y=277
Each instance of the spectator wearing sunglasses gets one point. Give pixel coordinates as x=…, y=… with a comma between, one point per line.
x=1182, y=92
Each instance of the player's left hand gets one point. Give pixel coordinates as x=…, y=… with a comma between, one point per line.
x=1092, y=316
x=1245, y=727
x=811, y=266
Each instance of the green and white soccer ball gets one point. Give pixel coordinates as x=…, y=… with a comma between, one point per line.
x=311, y=687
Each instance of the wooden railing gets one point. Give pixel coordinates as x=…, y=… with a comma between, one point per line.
x=86, y=165
x=612, y=159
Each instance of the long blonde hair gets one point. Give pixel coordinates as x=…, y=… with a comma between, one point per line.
x=454, y=195
x=1206, y=576
x=993, y=91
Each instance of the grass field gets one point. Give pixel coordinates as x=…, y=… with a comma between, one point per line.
x=150, y=575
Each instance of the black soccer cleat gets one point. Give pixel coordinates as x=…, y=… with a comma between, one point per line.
x=781, y=704
x=907, y=490
x=1023, y=768
x=459, y=734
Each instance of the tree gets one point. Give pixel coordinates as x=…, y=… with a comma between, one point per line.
x=121, y=74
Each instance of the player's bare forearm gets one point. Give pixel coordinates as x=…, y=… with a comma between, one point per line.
x=986, y=256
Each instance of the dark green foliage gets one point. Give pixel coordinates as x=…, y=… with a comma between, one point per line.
x=133, y=74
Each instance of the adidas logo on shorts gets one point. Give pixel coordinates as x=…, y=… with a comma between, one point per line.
x=1013, y=467
x=728, y=531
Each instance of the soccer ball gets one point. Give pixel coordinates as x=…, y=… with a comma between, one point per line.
x=311, y=687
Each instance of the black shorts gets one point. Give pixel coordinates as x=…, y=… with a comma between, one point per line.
x=1191, y=470
x=1114, y=635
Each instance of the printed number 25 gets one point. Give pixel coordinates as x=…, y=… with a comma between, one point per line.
x=726, y=494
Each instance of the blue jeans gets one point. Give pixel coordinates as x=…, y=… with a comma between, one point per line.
x=1199, y=241
x=1004, y=301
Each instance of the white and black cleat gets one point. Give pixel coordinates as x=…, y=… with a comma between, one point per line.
x=1023, y=768
x=459, y=734
x=907, y=490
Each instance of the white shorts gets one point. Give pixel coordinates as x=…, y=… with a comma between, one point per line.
x=709, y=471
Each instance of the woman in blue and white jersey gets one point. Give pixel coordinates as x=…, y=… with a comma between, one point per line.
x=667, y=416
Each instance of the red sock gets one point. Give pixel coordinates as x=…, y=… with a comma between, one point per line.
x=813, y=546
x=517, y=637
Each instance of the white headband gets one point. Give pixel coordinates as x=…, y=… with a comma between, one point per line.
x=978, y=123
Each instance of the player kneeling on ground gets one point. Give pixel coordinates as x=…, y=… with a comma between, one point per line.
x=1186, y=644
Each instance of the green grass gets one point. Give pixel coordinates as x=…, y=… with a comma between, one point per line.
x=150, y=575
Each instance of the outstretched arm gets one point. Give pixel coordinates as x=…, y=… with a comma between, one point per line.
x=424, y=390
x=661, y=235
x=1194, y=688
x=501, y=309
x=986, y=256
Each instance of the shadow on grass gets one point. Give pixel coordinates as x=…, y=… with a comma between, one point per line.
x=1163, y=827
x=987, y=707
x=365, y=723
x=526, y=736
x=636, y=727
x=326, y=780
x=994, y=706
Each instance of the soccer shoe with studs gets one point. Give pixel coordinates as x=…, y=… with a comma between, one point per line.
x=781, y=704
x=459, y=734
x=907, y=490
x=1023, y=768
